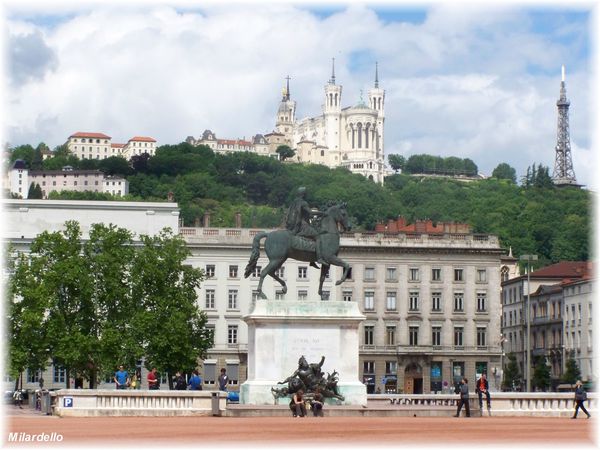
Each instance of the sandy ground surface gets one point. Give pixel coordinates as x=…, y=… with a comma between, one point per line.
x=254, y=431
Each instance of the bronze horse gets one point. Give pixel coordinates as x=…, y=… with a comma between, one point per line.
x=281, y=245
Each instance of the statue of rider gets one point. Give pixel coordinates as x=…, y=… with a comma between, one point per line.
x=298, y=219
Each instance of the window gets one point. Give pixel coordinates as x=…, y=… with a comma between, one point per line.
x=481, y=275
x=413, y=336
x=436, y=301
x=326, y=295
x=279, y=295
x=232, y=299
x=232, y=334
x=481, y=337
x=59, y=374
x=33, y=376
x=458, y=336
x=458, y=301
x=369, y=300
x=458, y=275
x=209, y=372
x=280, y=272
x=390, y=301
x=368, y=366
x=233, y=370
x=413, y=301
x=391, y=367
x=436, y=336
x=256, y=272
x=369, y=329
x=347, y=296
x=369, y=273
x=233, y=271
x=413, y=274
x=302, y=272
x=390, y=274
x=481, y=302
x=436, y=274
x=302, y=295
x=390, y=335
x=210, y=299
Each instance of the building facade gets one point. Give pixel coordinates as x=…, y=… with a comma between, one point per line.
x=86, y=145
x=258, y=145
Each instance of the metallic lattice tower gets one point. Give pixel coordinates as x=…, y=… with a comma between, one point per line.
x=563, y=165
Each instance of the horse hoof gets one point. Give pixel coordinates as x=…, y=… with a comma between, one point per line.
x=338, y=282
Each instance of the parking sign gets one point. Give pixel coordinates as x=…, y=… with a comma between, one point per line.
x=68, y=402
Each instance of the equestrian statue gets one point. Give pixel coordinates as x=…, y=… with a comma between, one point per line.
x=312, y=236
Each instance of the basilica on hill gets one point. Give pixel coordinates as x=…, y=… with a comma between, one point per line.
x=351, y=137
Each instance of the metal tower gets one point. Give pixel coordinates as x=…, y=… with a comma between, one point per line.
x=563, y=174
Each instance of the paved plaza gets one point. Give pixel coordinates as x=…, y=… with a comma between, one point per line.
x=502, y=431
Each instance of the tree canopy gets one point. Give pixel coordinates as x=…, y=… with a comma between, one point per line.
x=505, y=172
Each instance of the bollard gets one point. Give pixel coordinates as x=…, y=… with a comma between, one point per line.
x=216, y=411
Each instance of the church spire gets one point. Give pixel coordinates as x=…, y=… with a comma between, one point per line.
x=376, y=75
x=332, y=80
x=287, y=89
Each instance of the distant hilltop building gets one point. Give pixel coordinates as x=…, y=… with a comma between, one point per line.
x=400, y=225
x=350, y=137
x=87, y=145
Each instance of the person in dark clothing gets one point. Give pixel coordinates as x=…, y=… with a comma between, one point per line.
x=580, y=397
x=483, y=388
x=317, y=404
x=297, y=404
x=464, y=398
x=223, y=380
x=180, y=384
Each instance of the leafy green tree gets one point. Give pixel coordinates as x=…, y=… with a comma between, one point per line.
x=115, y=165
x=35, y=191
x=167, y=319
x=139, y=163
x=572, y=372
x=541, y=374
x=396, y=162
x=512, y=377
x=505, y=172
x=285, y=152
x=24, y=152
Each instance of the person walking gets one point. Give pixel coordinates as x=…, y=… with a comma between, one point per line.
x=580, y=397
x=153, y=382
x=195, y=382
x=223, y=380
x=180, y=384
x=464, y=398
x=121, y=378
x=482, y=388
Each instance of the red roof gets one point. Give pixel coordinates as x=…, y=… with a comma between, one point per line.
x=117, y=145
x=90, y=135
x=142, y=138
x=563, y=269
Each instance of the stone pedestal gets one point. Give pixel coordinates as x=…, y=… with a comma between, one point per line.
x=281, y=331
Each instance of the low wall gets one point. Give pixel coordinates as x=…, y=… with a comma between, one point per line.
x=101, y=402
x=548, y=404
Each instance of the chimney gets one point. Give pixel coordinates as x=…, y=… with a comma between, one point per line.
x=238, y=219
x=170, y=197
x=206, y=220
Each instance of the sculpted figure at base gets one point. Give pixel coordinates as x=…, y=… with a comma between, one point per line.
x=309, y=378
x=304, y=239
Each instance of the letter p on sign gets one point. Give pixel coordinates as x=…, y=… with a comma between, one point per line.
x=68, y=402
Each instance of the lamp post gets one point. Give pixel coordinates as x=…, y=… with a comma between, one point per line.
x=502, y=341
x=528, y=258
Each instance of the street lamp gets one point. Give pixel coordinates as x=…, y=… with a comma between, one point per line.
x=528, y=258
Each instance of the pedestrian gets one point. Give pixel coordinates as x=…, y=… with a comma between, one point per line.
x=121, y=378
x=153, y=381
x=195, y=382
x=180, y=384
x=297, y=404
x=317, y=404
x=223, y=380
x=464, y=398
x=580, y=397
x=482, y=388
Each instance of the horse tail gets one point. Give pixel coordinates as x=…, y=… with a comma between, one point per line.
x=254, y=254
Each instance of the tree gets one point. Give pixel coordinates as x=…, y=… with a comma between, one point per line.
x=572, y=372
x=167, y=320
x=505, y=172
x=396, y=162
x=115, y=165
x=82, y=300
x=541, y=374
x=24, y=152
x=139, y=163
x=512, y=377
x=285, y=152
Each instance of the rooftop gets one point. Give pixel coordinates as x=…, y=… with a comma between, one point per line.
x=90, y=135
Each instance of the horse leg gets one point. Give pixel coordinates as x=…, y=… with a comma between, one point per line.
x=270, y=270
x=335, y=261
x=324, y=270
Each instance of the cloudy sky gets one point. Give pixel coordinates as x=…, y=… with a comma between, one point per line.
x=463, y=80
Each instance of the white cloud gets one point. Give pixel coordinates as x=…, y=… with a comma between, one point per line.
x=457, y=84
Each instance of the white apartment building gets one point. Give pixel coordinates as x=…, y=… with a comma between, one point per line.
x=138, y=145
x=86, y=145
x=117, y=186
